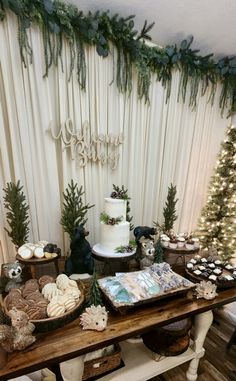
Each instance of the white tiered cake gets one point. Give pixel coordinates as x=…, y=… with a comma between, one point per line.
x=113, y=236
x=114, y=231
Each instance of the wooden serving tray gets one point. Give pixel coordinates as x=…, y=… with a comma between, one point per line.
x=48, y=324
x=122, y=308
x=220, y=284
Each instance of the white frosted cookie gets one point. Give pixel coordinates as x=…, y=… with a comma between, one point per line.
x=26, y=253
x=56, y=307
x=62, y=282
x=50, y=290
x=70, y=302
x=72, y=291
x=38, y=252
x=212, y=277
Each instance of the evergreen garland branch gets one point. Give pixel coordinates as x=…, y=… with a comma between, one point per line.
x=58, y=19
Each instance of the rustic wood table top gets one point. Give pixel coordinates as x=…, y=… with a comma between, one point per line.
x=71, y=341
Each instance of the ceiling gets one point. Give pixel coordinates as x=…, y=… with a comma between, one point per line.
x=212, y=23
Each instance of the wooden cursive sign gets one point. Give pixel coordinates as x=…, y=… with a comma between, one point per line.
x=87, y=146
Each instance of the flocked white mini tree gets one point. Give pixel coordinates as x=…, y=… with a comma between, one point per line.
x=217, y=226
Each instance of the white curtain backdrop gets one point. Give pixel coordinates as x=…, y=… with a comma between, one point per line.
x=163, y=142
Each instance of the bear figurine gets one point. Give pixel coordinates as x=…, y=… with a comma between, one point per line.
x=144, y=231
x=80, y=260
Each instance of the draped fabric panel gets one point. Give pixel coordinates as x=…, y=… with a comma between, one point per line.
x=163, y=142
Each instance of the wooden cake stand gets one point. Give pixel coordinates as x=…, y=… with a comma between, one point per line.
x=110, y=257
x=33, y=262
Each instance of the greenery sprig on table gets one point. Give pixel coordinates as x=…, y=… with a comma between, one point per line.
x=94, y=294
x=74, y=211
x=17, y=213
x=60, y=21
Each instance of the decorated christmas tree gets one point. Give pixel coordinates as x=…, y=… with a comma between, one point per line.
x=74, y=211
x=94, y=296
x=217, y=225
x=17, y=213
x=169, y=211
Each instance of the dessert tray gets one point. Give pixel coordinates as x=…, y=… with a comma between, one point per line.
x=17, y=298
x=158, y=281
x=223, y=274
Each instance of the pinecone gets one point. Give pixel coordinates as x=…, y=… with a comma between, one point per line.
x=114, y=195
x=112, y=221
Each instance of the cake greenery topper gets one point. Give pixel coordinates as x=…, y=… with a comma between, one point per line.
x=127, y=249
x=110, y=220
x=121, y=192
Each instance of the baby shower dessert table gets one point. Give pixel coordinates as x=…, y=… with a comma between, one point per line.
x=71, y=341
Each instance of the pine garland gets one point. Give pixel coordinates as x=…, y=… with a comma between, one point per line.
x=74, y=211
x=17, y=213
x=58, y=19
x=217, y=225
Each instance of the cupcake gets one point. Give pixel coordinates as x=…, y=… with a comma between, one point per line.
x=165, y=241
x=189, y=244
x=180, y=241
x=196, y=242
x=173, y=243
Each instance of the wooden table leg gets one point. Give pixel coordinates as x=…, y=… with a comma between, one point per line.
x=202, y=323
x=56, y=266
x=72, y=370
x=33, y=271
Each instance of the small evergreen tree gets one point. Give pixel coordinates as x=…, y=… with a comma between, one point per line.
x=158, y=258
x=74, y=212
x=169, y=211
x=17, y=213
x=94, y=296
x=217, y=225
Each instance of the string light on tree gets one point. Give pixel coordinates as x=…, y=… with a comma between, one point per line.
x=217, y=227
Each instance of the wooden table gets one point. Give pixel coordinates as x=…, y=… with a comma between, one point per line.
x=70, y=341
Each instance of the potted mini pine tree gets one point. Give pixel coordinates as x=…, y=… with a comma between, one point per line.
x=73, y=217
x=17, y=213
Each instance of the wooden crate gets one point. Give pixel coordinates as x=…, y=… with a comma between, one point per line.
x=102, y=365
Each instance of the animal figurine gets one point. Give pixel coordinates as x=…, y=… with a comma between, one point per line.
x=11, y=275
x=80, y=260
x=206, y=290
x=18, y=336
x=94, y=318
x=147, y=254
x=144, y=231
